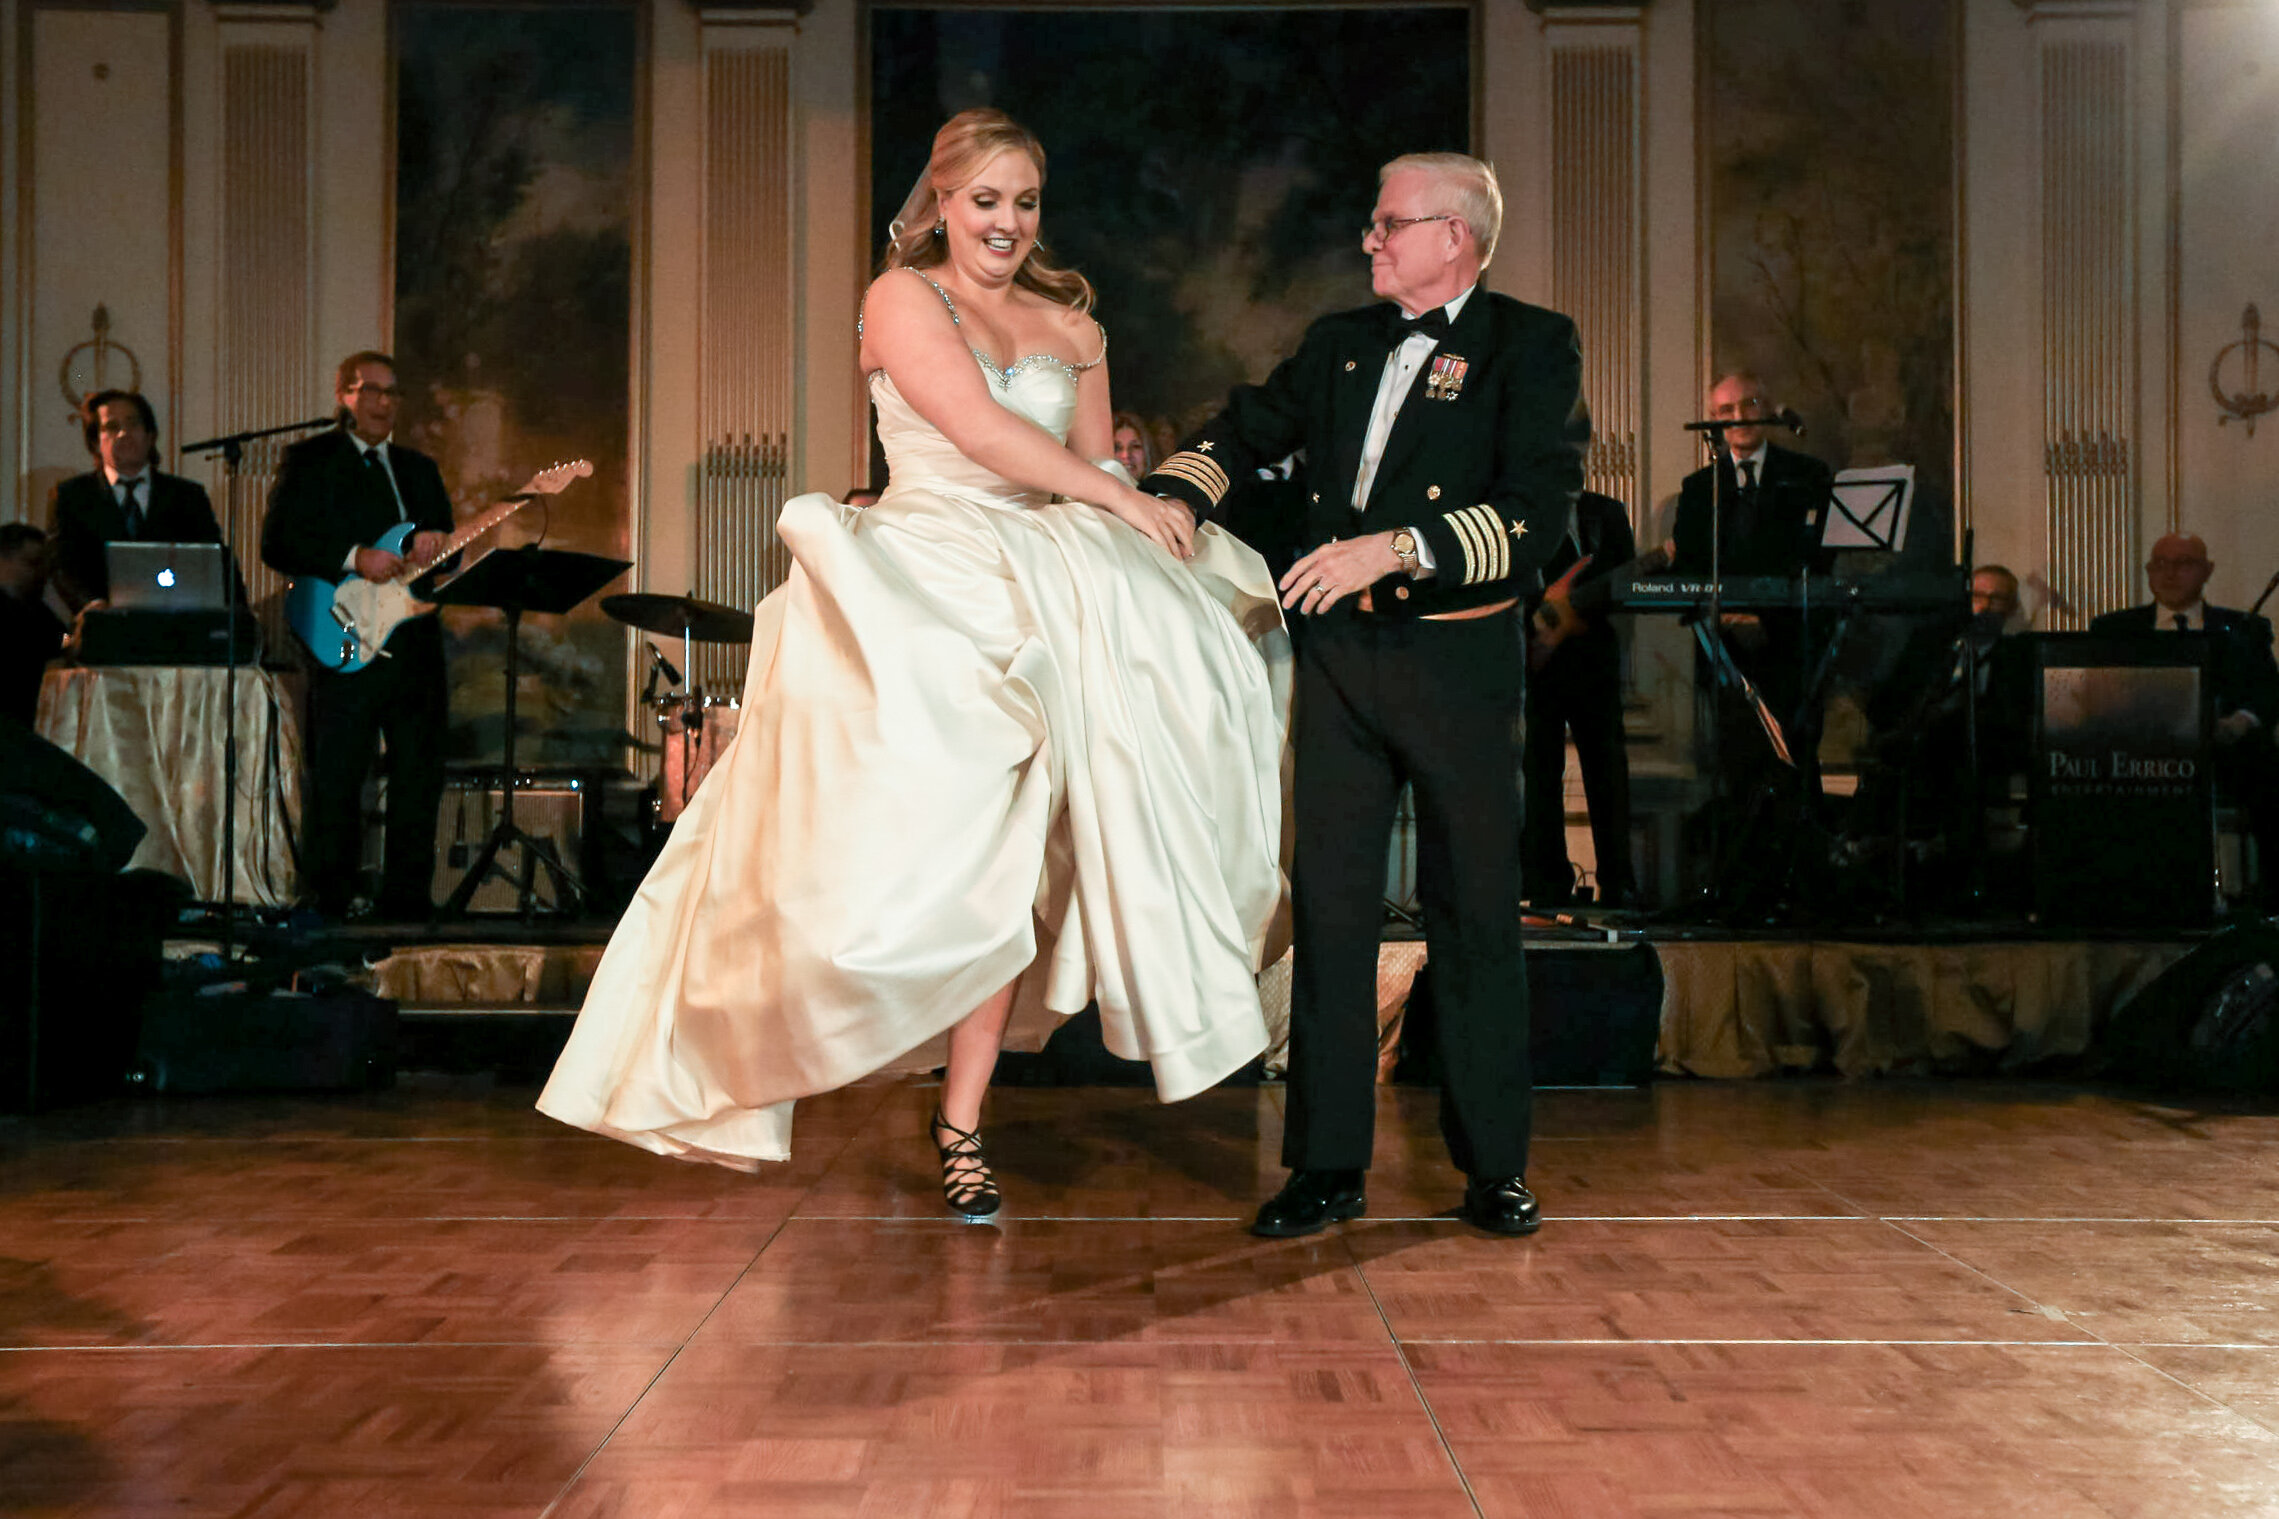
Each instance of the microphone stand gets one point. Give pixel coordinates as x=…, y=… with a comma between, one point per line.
x=1720, y=459
x=232, y=447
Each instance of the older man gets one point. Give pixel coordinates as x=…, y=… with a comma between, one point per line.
x=337, y=495
x=1443, y=437
x=2242, y=675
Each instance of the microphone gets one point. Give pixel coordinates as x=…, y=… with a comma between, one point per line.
x=1785, y=417
x=672, y=676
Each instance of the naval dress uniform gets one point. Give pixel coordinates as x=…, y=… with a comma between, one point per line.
x=1482, y=464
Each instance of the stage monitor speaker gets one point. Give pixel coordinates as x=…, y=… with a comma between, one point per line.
x=2210, y=1022
x=1594, y=1017
x=56, y=813
x=80, y=955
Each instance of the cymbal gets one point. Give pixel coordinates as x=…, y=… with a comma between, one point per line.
x=680, y=616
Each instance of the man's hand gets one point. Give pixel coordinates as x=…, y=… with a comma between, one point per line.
x=378, y=564
x=1745, y=629
x=1338, y=569
x=2236, y=726
x=425, y=546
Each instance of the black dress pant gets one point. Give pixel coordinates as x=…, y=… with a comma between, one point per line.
x=1578, y=690
x=403, y=698
x=1435, y=704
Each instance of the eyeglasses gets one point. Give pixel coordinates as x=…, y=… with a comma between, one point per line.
x=1383, y=228
x=363, y=387
x=2174, y=564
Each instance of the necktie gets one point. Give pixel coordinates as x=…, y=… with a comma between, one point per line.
x=132, y=510
x=2183, y=623
x=387, y=482
x=1433, y=323
x=1748, y=477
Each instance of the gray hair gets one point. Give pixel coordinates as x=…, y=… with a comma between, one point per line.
x=1474, y=197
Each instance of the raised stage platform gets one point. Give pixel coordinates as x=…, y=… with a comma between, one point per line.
x=1728, y=1007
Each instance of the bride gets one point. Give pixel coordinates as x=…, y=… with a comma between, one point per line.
x=1011, y=744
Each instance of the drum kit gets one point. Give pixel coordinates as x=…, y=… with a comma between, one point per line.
x=695, y=728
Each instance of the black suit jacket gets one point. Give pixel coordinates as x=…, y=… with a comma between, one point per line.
x=1487, y=479
x=1602, y=530
x=1780, y=537
x=87, y=516
x=327, y=501
x=2242, y=675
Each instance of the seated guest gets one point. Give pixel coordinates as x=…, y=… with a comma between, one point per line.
x=30, y=633
x=2242, y=676
x=1133, y=444
x=125, y=498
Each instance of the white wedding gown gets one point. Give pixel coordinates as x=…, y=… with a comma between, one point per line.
x=985, y=735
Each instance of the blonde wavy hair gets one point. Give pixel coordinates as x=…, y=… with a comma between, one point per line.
x=966, y=143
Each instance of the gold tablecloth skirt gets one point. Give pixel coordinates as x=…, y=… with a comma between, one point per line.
x=156, y=734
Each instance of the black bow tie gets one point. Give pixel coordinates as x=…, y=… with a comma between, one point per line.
x=1433, y=323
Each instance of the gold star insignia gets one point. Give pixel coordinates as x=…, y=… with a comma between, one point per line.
x=1203, y=447
x=1519, y=530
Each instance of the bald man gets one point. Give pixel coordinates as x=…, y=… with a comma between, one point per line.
x=2241, y=672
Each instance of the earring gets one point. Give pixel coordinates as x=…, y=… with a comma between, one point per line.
x=938, y=228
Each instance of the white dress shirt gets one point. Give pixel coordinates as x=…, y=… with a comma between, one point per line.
x=2195, y=618
x=1401, y=366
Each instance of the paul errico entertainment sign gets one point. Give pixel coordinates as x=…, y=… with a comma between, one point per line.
x=2123, y=801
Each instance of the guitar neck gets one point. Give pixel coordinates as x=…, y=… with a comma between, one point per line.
x=475, y=529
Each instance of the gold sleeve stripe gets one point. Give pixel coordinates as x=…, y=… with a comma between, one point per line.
x=1468, y=538
x=1199, y=470
x=1480, y=528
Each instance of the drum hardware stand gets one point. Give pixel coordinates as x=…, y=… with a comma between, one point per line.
x=692, y=621
x=515, y=581
x=232, y=449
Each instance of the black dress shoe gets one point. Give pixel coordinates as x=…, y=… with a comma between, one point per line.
x=1309, y=1202
x=1501, y=1205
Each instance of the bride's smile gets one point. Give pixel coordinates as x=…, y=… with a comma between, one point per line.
x=991, y=221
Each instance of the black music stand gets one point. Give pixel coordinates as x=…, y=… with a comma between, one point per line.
x=516, y=581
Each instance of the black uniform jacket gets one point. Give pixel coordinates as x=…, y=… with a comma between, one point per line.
x=87, y=516
x=1483, y=463
x=327, y=501
x=2241, y=673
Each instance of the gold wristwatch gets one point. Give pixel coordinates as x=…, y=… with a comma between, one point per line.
x=1404, y=549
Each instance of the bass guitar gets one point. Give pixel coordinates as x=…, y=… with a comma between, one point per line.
x=1567, y=610
x=346, y=623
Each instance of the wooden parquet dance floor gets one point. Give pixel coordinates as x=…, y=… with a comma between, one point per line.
x=1764, y=1299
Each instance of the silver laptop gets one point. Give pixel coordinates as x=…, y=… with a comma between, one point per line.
x=165, y=577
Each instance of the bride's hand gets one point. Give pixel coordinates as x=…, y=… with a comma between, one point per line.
x=1167, y=522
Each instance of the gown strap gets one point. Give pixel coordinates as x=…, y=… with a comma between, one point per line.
x=944, y=294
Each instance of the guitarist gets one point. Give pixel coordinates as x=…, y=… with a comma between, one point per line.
x=336, y=495
x=1574, y=686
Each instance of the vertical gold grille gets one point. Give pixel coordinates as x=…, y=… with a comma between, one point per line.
x=2088, y=338
x=1595, y=258
x=263, y=347
x=747, y=403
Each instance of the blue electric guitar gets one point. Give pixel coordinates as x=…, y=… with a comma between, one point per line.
x=345, y=623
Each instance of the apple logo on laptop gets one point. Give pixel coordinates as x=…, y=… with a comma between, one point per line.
x=166, y=578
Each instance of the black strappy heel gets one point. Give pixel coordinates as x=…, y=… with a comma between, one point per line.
x=966, y=1183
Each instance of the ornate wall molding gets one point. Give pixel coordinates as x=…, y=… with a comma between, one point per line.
x=1598, y=222
x=264, y=347
x=747, y=285
x=2089, y=337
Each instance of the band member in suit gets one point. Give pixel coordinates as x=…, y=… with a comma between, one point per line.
x=1444, y=447
x=2242, y=675
x=30, y=632
x=125, y=498
x=336, y=495
x=1775, y=508
x=1575, y=685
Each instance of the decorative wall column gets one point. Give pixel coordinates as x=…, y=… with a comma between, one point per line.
x=747, y=303
x=2091, y=419
x=265, y=367
x=1598, y=224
